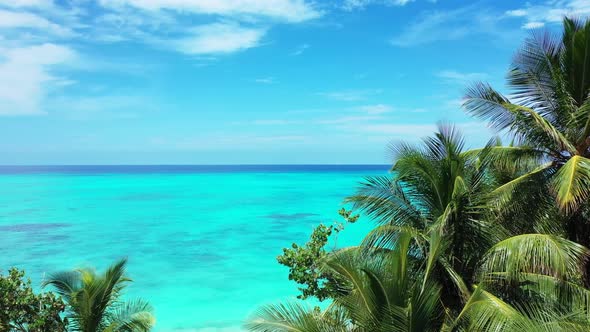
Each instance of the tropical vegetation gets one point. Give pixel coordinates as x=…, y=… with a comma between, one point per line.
x=95, y=304
x=82, y=301
x=22, y=310
x=488, y=239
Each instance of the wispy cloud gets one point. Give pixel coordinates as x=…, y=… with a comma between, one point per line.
x=349, y=120
x=533, y=25
x=37, y=36
x=214, y=141
x=376, y=109
x=399, y=130
x=25, y=75
x=350, y=95
x=265, y=80
x=99, y=105
x=26, y=3
x=286, y=10
x=350, y=5
x=25, y=20
x=445, y=25
x=219, y=38
x=412, y=131
x=272, y=122
x=455, y=77
x=536, y=15
x=237, y=25
x=300, y=49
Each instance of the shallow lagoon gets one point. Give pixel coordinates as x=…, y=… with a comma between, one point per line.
x=201, y=241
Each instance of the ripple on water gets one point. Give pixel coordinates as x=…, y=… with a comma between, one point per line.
x=32, y=228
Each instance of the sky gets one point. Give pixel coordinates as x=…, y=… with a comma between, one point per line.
x=248, y=81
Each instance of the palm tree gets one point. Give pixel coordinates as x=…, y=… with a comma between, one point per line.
x=437, y=192
x=95, y=304
x=548, y=113
x=385, y=292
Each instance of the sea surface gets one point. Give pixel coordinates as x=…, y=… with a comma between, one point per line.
x=201, y=241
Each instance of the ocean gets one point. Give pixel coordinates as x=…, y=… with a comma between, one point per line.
x=201, y=241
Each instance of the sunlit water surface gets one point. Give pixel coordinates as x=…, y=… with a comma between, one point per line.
x=202, y=241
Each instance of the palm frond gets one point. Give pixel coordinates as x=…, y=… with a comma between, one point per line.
x=486, y=312
x=576, y=57
x=131, y=316
x=571, y=183
x=383, y=199
x=65, y=283
x=484, y=102
x=535, y=253
x=292, y=317
x=387, y=236
x=503, y=194
x=531, y=76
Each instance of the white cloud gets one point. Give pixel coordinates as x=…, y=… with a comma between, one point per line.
x=448, y=25
x=350, y=5
x=539, y=14
x=516, y=12
x=265, y=80
x=25, y=75
x=288, y=10
x=272, y=122
x=214, y=141
x=111, y=106
x=237, y=24
x=375, y=109
x=26, y=3
x=25, y=20
x=33, y=34
x=409, y=131
x=219, y=38
x=455, y=77
x=233, y=25
x=399, y=130
x=533, y=25
x=349, y=120
x=300, y=49
x=350, y=95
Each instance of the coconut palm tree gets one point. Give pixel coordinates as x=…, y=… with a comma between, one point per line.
x=437, y=192
x=95, y=303
x=548, y=114
x=382, y=293
x=386, y=292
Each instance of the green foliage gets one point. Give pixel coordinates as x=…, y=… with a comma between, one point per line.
x=437, y=193
x=21, y=310
x=305, y=262
x=95, y=303
x=550, y=113
x=492, y=239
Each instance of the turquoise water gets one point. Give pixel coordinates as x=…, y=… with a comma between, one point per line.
x=202, y=241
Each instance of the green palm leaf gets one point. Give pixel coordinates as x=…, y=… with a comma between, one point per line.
x=132, y=316
x=95, y=303
x=535, y=253
x=484, y=102
x=295, y=317
x=572, y=183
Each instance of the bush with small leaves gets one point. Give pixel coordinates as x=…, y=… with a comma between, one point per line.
x=304, y=262
x=22, y=310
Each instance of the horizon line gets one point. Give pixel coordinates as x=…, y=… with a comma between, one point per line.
x=240, y=164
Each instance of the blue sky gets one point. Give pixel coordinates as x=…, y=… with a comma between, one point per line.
x=247, y=81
